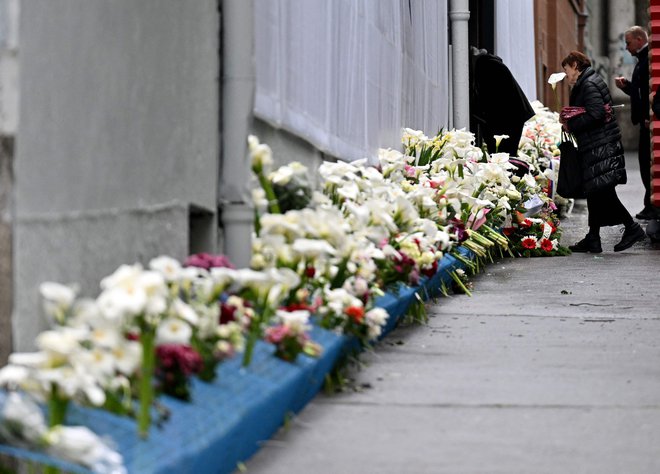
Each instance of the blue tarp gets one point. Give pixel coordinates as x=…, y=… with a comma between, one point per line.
x=229, y=418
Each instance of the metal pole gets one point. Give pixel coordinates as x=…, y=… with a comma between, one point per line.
x=459, y=14
x=238, y=90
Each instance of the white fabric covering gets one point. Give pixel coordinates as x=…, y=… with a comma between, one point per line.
x=346, y=75
x=514, y=41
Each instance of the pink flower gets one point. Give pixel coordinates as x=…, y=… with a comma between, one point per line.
x=206, y=261
x=276, y=334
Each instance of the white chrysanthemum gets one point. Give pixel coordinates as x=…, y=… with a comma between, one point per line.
x=173, y=331
x=128, y=356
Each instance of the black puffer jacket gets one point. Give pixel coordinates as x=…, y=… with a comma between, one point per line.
x=599, y=142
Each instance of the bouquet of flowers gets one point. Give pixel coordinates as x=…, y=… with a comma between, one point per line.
x=290, y=335
x=536, y=236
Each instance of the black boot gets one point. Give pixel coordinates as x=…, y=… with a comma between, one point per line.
x=589, y=244
x=633, y=233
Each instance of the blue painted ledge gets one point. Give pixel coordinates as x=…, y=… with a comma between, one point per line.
x=230, y=418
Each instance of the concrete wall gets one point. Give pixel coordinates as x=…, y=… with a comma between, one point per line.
x=117, y=148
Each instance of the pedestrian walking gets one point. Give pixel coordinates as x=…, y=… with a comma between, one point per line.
x=600, y=152
x=638, y=89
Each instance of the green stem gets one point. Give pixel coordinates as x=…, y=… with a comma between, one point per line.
x=251, y=341
x=147, y=338
x=262, y=318
x=57, y=407
x=273, y=205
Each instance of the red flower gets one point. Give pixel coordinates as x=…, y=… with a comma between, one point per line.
x=546, y=245
x=526, y=224
x=227, y=313
x=297, y=307
x=528, y=243
x=508, y=230
x=355, y=312
x=310, y=272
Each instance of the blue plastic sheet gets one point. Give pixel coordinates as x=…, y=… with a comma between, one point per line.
x=230, y=418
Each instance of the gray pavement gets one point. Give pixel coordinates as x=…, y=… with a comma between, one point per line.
x=552, y=366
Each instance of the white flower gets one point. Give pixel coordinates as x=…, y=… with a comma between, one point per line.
x=261, y=155
x=128, y=356
x=59, y=343
x=555, y=78
x=529, y=180
x=499, y=138
x=13, y=375
x=166, y=266
x=61, y=296
x=173, y=331
x=21, y=412
x=259, y=200
x=81, y=445
x=376, y=319
x=312, y=247
x=185, y=312
x=97, y=361
x=29, y=359
x=117, y=303
x=124, y=276
x=105, y=333
x=296, y=320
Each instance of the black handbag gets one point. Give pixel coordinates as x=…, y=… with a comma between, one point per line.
x=569, y=181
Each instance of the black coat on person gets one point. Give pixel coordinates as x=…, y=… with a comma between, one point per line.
x=498, y=105
x=638, y=89
x=598, y=140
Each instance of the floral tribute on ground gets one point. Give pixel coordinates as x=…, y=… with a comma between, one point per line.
x=320, y=256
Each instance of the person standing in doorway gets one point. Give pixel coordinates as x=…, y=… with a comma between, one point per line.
x=638, y=89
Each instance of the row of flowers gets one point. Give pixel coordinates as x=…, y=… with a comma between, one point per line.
x=321, y=255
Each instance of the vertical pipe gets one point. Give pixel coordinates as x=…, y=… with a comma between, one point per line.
x=459, y=14
x=238, y=90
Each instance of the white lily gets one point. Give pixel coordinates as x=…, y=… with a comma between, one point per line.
x=556, y=78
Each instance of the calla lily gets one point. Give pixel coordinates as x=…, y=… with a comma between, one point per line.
x=555, y=78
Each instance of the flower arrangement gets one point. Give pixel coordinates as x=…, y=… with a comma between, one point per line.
x=319, y=257
x=290, y=335
x=536, y=236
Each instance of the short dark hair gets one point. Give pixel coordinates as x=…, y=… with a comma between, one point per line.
x=581, y=61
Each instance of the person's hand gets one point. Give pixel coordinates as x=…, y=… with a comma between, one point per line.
x=621, y=82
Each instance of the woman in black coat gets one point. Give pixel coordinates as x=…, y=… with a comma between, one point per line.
x=601, y=155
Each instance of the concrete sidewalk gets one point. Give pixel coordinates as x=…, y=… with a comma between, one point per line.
x=552, y=366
